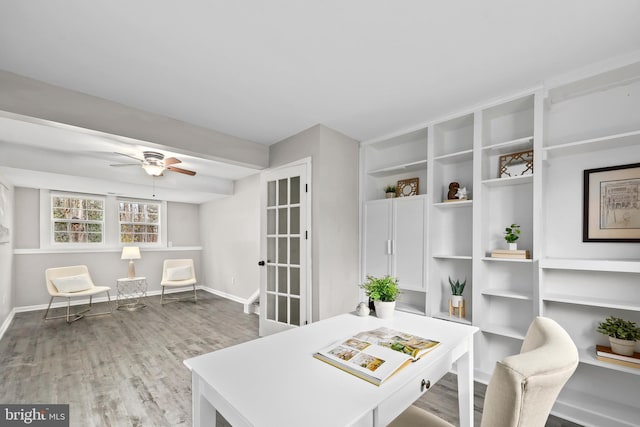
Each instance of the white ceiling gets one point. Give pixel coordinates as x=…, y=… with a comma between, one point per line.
x=265, y=70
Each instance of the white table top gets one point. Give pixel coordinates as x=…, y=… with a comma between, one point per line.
x=275, y=381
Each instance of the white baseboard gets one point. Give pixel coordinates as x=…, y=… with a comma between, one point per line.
x=7, y=322
x=246, y=302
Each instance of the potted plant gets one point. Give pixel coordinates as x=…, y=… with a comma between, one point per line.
x=383, y=291
x=457, y=302
x=511, y=234
x=390, y=191
x=622, y=334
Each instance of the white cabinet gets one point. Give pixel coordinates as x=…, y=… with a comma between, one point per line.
x=393, y=240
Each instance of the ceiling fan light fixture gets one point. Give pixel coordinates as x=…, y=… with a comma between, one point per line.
x=153, y=169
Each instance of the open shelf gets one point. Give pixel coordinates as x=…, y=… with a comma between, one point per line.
x=445, y=256
x=618, y=304
x=588, y=356
x=398, y=169
x=573, y=404
x=445, y=316
x=614, y=266
x=460, y=156
x=508, y=147
x=503, y=331
x=507, y=294
x=492, y=259
x=460, y=204
x=602, y=143
x=513, y=180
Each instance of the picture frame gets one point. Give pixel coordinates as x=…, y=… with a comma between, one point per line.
x=408, y=187
x=611, y=204
x=516, y=164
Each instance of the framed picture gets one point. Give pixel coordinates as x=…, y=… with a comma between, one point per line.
x=407, y=187
x=516, y=164
x=611, y=204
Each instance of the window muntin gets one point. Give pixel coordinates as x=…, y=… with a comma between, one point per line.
x=77, y=219
x=139, y=222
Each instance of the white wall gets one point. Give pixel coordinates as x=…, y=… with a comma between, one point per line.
x=6, y=253
x=230, y=232
x=334, y=214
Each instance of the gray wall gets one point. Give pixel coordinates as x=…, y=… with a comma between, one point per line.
x=6, y=254
x=334, y=214
x=230, y=230
x=105, y=266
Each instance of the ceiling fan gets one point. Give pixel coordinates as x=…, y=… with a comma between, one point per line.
x=155, y=164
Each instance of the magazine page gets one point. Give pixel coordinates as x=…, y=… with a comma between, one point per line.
x=411, y=345
x=364, y=359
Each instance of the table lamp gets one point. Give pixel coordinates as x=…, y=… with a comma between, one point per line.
x=131, y=253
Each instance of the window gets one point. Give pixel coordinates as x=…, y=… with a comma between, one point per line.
x=77, y=219
x=139, y=222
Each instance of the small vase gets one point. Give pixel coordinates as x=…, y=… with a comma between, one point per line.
x=384, y=309
x=390, y=195
x=623, y=347
x=513, y=246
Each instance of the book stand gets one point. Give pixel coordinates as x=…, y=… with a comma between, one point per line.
x=460, y=310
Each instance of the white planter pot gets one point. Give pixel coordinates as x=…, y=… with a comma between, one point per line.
x=384, y=309
x=390, y=195
x=456, y=300
x=513, y=246
x=623, y=347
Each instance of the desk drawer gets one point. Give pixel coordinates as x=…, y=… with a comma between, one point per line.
x=403, y=398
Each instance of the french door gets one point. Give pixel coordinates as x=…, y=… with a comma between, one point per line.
x=285, y=274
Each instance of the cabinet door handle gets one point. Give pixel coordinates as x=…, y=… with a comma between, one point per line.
x=389, y=247
x=425, y=385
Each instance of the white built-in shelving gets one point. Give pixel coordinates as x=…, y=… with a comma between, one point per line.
x=580, y=125
x=593, y=124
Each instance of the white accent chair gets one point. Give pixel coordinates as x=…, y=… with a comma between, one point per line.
x=524, y=387
x=73, y=282
x=178, y=273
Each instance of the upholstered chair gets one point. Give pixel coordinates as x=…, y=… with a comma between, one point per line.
x=524, y=387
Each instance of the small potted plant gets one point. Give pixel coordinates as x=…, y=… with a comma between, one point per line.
x=511, y=234
x=390, y=191
x=622, y=334
x=457, y=302
x=383, y=291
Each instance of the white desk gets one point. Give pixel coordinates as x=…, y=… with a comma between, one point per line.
x=275, y=381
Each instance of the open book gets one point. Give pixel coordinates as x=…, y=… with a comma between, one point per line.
x=376, y=355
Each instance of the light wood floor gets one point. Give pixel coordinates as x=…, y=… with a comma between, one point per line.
x=126, y=369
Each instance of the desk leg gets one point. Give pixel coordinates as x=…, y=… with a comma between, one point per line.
x=202, y=411
x=464, y=366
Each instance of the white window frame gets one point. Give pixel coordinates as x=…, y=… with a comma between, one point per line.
x=161, y=221
x=50, y=220
x=111, y=229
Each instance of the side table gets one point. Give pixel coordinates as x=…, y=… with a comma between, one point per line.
x=132, y=293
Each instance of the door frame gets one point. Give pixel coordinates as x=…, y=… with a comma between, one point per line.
x=306, y=161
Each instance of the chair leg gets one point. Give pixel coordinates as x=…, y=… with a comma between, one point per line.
x=72, y=317
x=195, y=295
x=162, y=296
x=48, y=307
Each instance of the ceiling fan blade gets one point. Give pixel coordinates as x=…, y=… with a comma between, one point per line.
x=130, y=156
x=180, y=170
x=171, y=161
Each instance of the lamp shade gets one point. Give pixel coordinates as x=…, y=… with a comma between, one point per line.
x=130, y=252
